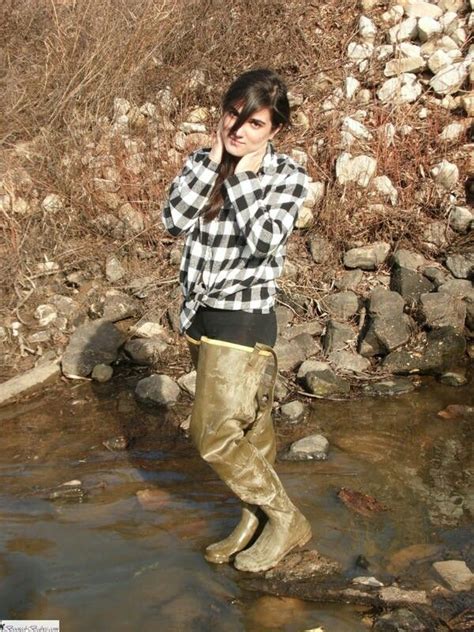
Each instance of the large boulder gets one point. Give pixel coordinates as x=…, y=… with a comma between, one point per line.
x=388, y=326
x=342, y=305
x=290, y=354
x=338, y=336
x=409, y=284
x=443, y=349
x=96, y=342
x=440, y=309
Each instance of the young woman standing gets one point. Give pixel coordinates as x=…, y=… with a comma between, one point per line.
x=237, y=204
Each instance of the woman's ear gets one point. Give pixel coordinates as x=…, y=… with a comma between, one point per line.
x=275, y=132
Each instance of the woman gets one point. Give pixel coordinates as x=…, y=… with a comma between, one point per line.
x=237, y=204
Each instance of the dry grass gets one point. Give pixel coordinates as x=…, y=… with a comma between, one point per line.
x=64, y=61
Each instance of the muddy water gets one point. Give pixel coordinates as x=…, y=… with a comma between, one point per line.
x=127, y=556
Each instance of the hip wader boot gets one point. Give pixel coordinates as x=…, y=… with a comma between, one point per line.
x=262, y=436
x=228, y=380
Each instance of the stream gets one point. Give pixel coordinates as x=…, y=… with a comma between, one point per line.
x=124, y=550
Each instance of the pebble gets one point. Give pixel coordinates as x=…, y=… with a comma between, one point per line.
x=456, y=574
x=293, y=411
x=102, y=373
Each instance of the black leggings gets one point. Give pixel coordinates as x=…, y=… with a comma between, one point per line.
x=243, y=328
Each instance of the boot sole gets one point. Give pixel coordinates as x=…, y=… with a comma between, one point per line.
x=301, y=542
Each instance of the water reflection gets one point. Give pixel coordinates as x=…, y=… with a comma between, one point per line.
x=128, y=556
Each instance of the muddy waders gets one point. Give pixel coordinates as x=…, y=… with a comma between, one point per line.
x=232, y=429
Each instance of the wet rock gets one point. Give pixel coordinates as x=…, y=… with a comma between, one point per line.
x=114, y=270
x=157, y=389
x=145, y=351
x=102, y=373
x=444, y=349
x=396, y=386
x=349, y=361
x=309, y=345
x=323, y=382
x=45, y=314
x=290, y=354
x=401, y=559
x=312, y=448
x=188, y=383
x=446, y=174
x=349, y=280
x=116, y=444
x=118, y=306
x=456, y=411
x=342, y=305
x=338, y=336
x=97, y=342
x=402, y=620
x=293, y=411
x=452, y=378
x=461, y=219
x=441, y=309
x=367, y=257
x=456, y=574
x=302, y=565
x=29, y=381
x=320, y=248
x=409, y=284
x=460, y=266
x=72, y=491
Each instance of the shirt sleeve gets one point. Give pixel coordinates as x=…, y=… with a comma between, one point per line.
x=189, y=192
x=266, y=221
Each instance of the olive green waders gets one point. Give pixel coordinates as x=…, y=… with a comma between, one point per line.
x=225, y=428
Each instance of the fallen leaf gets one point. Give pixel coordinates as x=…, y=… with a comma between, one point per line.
x=359, y=502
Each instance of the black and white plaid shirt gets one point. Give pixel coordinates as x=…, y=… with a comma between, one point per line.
x=233, y=261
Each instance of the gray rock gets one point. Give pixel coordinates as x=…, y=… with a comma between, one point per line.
x=118, y=306
x=313, y=328
x=469, y=300
x=293, y=411
x=456, y=574
x=396, y=386
x=29, y=381
x=443, y=350
x=315, y=448
x=157, y=389
x=283, y=316
x=369, y=345
x=324, y=383
x=460, y=288
x=460, y=266
x=460, y=219
x=409, y=284
x=320, y=249
x=145, y=351
x=385, y=303
x=441, y=309
x=97, y=342
x=290, y=354
x=114, y=270
x=402, y=620
x=309, y=366
x=338, y=336
x=437, y=275
x=367, y=257
x=349, y=280
x=349, y=361
x=309, y=345
x=65, y=305
x=102, y=373
x=407, y=259
x=281, y=389
x=173, y=313
x=386, y=334
x=342, y=305
x=133, y=220
x=188, y=383
x=453, y=378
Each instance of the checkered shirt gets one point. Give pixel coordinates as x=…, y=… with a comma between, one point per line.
x=232, y=262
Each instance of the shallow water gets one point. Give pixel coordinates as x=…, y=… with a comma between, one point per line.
x=125, y=559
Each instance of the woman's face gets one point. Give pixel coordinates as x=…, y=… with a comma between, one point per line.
x=255, y=132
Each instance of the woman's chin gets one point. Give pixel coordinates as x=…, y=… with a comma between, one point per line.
x=235, y=150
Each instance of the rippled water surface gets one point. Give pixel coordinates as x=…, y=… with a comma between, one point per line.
x=128, y=555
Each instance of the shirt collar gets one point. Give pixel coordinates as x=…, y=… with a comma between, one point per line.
x=269, y=162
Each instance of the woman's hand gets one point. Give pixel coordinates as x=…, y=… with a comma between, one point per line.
x=252, y=161
x=217, y=148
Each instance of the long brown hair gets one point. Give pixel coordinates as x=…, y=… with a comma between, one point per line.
x=254, y=89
